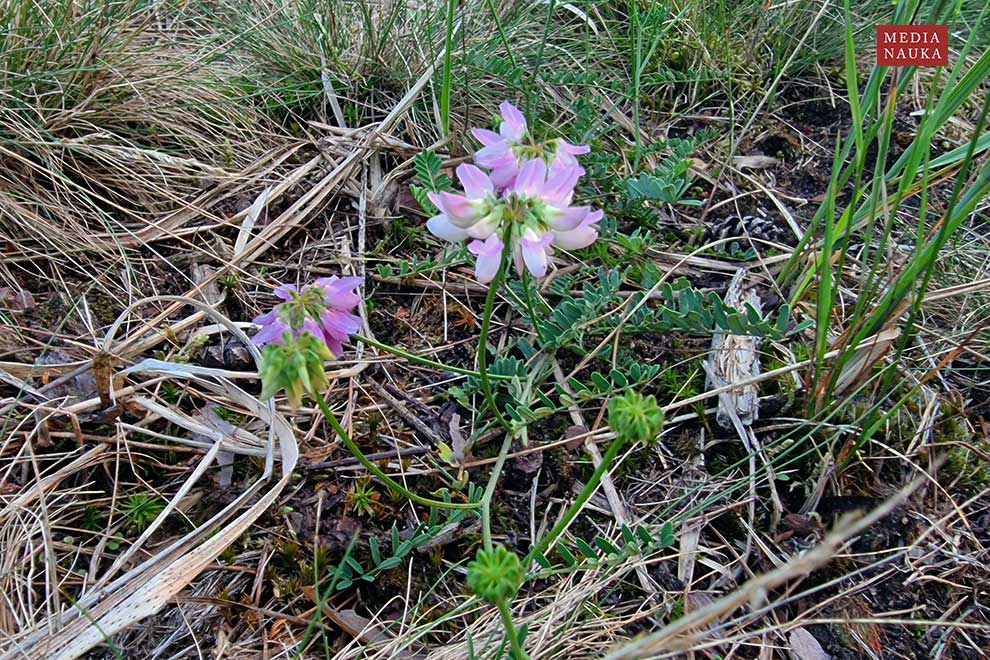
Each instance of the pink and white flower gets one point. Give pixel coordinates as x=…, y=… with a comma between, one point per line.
x=534, y=213
x=523, y=202
x=471, y=215
x=322, y=310
x=504, y=153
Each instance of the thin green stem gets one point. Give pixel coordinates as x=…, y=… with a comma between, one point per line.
x=501, y=32
x=530, y=309
x=486, y=499
x=322, y=598
x=535, y=81
x=422, y=360
x=517, y=651
x=447, y=73
x=486, y=322
x=589, y=490
x=637, y=55
x=375, y=470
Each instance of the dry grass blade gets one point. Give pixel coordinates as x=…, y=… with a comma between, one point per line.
x=683, y=634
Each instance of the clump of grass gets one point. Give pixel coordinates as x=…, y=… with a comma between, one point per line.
x=107, y=120
x=141, y=509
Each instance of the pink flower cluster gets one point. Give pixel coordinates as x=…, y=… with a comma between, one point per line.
x=524, y=196
x=322, y=309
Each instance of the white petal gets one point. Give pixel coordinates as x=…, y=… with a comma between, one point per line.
x=441, y=227
x=576, y=239
x=534, y=255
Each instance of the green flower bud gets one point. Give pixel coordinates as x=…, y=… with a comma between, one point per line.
x=635, y=417
x=295, y=366
x=495, y=576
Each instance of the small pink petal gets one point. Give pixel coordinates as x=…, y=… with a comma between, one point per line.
x=476, y=183
x=582, y=236
x=340, y=292
x=534, y=254
x=566, y=152
x=505, y=176
x=569, y=218
x=518, y=260
x=273, y=333
x=558, y=165
x=340, y=325
x=531, y=178
x=335, y=346
x=313, y=328
x=513, y=126
x=285, y=291
x=489, y=255
x=457, y=208
x=559, y=188
x=485, y=227
x=485, y=137
x=265, y=318
x=498, y=155
x=576, y=239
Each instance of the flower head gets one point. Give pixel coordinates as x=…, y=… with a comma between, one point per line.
x=504, y=153
x=471, y=215
x=534, y=213
x=495, y=575
x=309, y=327
x=522, y=203
x=321, y=309
x=635, y=417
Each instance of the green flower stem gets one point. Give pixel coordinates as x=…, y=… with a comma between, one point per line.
x=486, y=499
x=530, y=308
x=422, y=360
x=517, y=651
x=375, y=470
x=486, y=322
x=572, y=512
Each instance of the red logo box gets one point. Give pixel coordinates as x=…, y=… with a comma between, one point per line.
x=912, y=45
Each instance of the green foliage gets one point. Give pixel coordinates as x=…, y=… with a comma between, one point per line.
x=431, y=178
x=635, y=417
x=601, y=551
x=421, y=266
x=496, y=575
x=141, y=510
x=495, y=66
x=363, y=498
x=669, y=181
x=229, y=415
x=565, y=325
x=93, y=519
x=629, y=373
x=687, y=309
x=664, y=185
x=682, y=308
x=351, y=570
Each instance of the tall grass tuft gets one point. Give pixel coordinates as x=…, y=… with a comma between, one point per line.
x=108, y=117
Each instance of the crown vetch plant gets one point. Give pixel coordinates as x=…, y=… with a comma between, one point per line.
x=303, y=332
x=517, y=201
x=523, y=201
